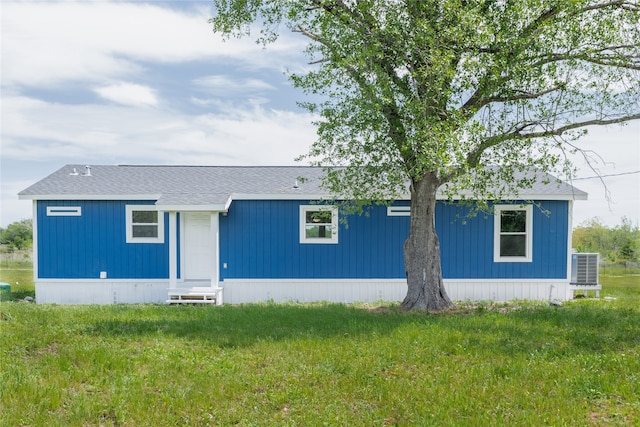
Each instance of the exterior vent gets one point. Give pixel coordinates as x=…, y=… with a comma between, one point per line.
x=584, y=269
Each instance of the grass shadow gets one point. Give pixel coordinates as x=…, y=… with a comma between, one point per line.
x=243, y=325
x=573, y=328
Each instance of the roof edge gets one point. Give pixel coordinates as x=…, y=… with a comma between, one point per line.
x=276, y=196
x=88, y=196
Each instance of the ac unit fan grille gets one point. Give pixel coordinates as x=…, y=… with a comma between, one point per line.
x=585, y=268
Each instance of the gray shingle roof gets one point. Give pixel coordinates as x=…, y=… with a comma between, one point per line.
x=545, y=186
x=208, y=185
x=176, y=185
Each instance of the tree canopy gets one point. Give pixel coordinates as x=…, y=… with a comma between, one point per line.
x=619, y=244
x=17, y=236
x=446, y=86
x=467, y=93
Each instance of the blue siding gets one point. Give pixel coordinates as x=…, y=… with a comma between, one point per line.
x=260, y=239
x=466, y=244
x=80, y=247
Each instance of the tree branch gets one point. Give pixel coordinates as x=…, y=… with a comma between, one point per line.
x=316, y=38
x=477, y=100
x=559, y=131
x=473, y=158
x=523, y=95
x=605, y=60
x=627, y=5
x=598, y=56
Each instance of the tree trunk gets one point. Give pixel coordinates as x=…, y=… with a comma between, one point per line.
x=422, y=251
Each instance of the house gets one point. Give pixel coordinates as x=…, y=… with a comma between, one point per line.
x=150, y=234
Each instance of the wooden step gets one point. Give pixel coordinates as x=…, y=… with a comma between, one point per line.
x=197, y=295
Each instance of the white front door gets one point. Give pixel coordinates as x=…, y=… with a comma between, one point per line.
x=198, y=249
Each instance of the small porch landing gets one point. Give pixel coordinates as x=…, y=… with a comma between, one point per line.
x=195, y=295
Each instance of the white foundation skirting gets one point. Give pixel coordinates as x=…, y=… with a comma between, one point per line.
x=237, y=291
x=101, y=291
x=356, y=290
x=508, y=289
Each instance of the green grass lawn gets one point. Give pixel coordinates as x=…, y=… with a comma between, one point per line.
x=323, y=364
x=615, y=279
x=19, y=274
x=21, y=282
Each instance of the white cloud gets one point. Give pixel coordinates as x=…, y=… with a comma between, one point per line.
x=618, y=157
x=125, y=134
x=48, y=43
x=12, y=209
x=225, y=85
x=128, y=94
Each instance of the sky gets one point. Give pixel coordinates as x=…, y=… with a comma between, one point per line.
x=120, y=82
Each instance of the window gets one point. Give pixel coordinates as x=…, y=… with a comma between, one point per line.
x=318, y=224
x=512, y=233
x=144, y=224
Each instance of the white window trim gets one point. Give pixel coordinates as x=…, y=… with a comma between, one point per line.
x=529, y=233
x=334, y=224
x=64, y=210
x=130, y=239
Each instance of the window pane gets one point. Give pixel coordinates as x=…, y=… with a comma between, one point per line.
x=318, y=217
x=144, y=231
x=513, y=221
x=513, y=245
x=318, y=231
x=144, y=217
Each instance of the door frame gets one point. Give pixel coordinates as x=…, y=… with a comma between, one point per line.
x=214, y=232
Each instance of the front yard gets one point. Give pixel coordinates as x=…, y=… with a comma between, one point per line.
x=323, y=364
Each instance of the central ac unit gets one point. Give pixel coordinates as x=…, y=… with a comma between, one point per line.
x=584, y=269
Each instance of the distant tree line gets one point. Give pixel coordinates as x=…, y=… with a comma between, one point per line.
x=18, y=236
x=620, y=244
